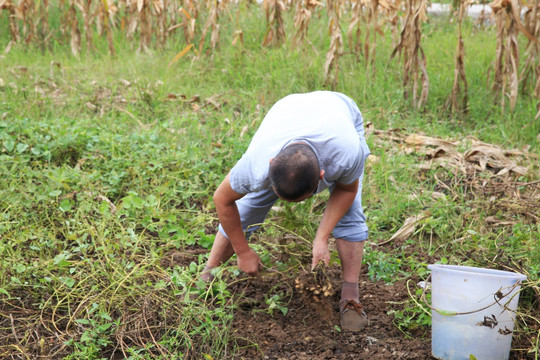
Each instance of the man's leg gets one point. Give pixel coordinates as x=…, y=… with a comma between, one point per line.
x=350, y=254
x=351, y=233
x=351, y=312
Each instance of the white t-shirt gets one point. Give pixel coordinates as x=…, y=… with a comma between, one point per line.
x=329, y=122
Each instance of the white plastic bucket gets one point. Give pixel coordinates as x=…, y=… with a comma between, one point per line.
x=488, y=298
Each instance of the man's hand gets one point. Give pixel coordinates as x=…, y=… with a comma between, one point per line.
x=338, y=204
x=249, y=262
x=225, y=200
x=320, y=252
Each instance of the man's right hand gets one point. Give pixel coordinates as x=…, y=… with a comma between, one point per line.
x=320, y=252
x=225, y=200
x=249, y=262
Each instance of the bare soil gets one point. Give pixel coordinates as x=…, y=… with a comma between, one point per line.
x=310, y=329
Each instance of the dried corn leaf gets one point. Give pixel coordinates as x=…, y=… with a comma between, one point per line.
x=438, y=195
x=332, y=56
x=445, y=152
x=238, y=36
x=158, y=6
x=409, y=48
x=180, y=55
x=490, y=156
x=407, y=229
x=140, y=5
x=174, y=27
x=417, y=139
x=211, y=24
x=302, y=17
x=458, y=100
x=275, y=27
x=336, y=43
x=508, y=22
x=185, y=13
x=75, y=33
x=531, y=68
x=492, y=220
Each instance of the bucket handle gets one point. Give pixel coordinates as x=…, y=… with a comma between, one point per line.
x=497, y=296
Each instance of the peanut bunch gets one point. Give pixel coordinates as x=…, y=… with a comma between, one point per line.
x=315, y=284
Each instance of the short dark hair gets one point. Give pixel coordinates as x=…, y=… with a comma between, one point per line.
x=295, y=171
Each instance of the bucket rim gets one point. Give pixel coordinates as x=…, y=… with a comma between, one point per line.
x=478, y=270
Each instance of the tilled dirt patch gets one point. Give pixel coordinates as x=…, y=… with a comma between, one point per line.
x=310, y=329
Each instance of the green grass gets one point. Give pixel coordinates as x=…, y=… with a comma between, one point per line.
x=77, y=135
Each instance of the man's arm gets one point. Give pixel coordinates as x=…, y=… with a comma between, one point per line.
x=225, y=200
x=338, y=204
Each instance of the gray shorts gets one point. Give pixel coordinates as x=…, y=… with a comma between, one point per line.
x=254, y=207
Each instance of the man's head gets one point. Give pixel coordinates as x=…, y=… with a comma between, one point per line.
x=295, y=172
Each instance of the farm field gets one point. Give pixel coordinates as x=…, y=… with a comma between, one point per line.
x=112, y=144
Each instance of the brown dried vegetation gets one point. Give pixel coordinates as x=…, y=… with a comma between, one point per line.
x=331, y=68
x=458, y=100
x=275, y=28
x=154, y=22
x=415, y=77
x=506, y=67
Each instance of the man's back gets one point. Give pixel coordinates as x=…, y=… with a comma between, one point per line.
x=329, y=122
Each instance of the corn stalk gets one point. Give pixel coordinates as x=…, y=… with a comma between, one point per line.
x=104, y=11
x=145, y=25
x=393, y=18
x=374, y=8
x=27, y=13
x=160, y=10
x=42, y=26
x=13, y=27
x=331, y=67
x=458, y=100
x=531, y=68
x=367, y=12
x=85, y=7
x=189, y=13
x=410, y=50
x=532, y=64
x=354, y=31
x=238, y=35
x=212, y=22
x=75, y=32
x=506, y=77
x=302, y=17
x=275, y=28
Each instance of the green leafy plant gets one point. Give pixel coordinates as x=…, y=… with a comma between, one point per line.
x=96, y=335
x=383, y=266
x=275, y=302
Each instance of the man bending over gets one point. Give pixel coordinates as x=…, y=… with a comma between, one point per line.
x=306, y=143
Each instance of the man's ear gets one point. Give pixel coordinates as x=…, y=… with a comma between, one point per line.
x=321, y=176
x=272, y=159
